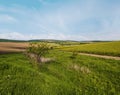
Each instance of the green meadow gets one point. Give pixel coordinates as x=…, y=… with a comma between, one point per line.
x=82, y=75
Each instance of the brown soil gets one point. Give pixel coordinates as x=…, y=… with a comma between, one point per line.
x=11, y=47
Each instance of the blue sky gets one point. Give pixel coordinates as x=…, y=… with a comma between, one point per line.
x=60, y=19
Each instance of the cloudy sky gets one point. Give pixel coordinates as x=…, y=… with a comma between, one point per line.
x=60, y=19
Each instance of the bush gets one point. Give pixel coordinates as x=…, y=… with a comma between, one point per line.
x=38, y=50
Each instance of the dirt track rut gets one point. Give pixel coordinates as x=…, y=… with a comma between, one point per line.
x=101, y=56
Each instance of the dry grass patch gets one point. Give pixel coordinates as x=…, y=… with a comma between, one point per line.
x=82, y=69
x=43, y=59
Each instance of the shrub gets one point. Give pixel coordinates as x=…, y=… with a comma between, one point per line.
x=38, y=50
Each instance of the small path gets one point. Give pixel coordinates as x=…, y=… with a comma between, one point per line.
x=101, y=56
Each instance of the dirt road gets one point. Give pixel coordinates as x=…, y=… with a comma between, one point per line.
x=101, y=56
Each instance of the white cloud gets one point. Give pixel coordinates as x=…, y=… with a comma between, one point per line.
x=12, y=35
x=4, y=18
x=58, y=36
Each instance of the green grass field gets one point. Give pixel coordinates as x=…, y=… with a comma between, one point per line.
x=103, y=48
x=64, y=76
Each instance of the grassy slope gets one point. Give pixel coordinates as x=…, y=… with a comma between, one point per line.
x=103, y=48
x=64, y=76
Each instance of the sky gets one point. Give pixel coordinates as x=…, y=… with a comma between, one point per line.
x=60, y=19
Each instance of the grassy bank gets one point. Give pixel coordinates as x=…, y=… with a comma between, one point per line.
x=63, y=76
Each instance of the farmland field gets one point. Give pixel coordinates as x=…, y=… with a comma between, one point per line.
x=102, y=48
x=8, y=47
x=82, y=75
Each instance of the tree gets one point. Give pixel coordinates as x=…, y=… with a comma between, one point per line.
x=38, y=50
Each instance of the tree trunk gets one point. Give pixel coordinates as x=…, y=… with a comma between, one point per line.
x=39, y=60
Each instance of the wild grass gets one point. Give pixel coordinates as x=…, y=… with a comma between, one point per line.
x=103, y=48
x=63, y=76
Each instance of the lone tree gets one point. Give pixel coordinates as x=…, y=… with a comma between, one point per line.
x=38, y=50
